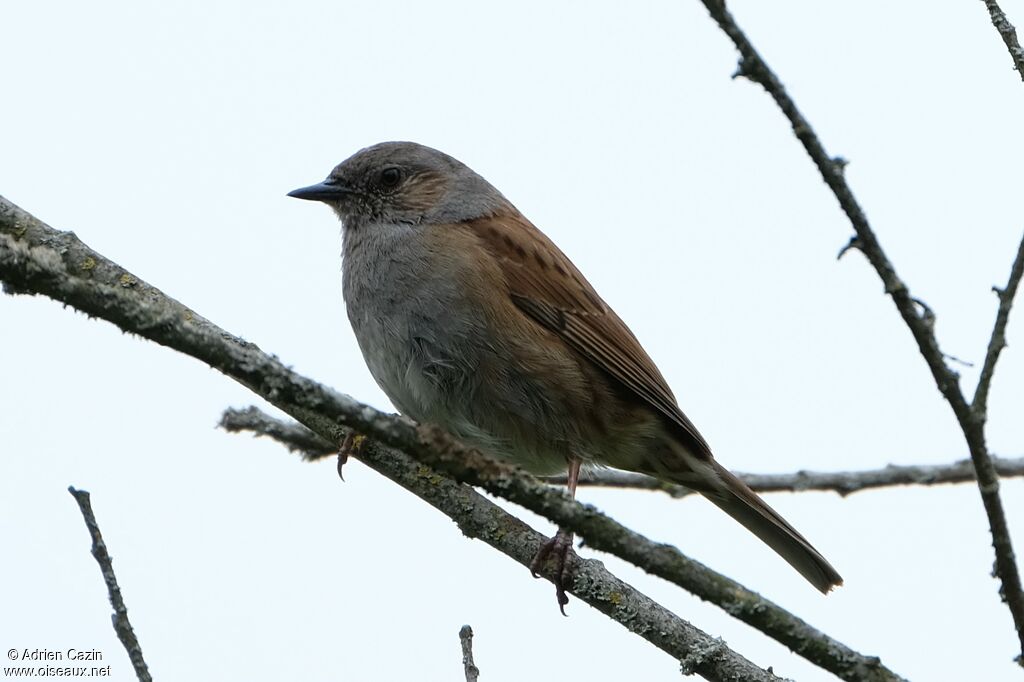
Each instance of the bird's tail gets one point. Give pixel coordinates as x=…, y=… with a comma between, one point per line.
x=737, y=500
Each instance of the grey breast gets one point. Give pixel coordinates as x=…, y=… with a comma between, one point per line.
x=402, y=310
x=425, y=342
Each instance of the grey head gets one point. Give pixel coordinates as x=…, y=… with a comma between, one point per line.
x=404, y=182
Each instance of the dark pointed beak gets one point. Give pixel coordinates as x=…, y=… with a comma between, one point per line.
x=328, y=190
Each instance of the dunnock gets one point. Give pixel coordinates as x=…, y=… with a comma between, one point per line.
x=470, y=318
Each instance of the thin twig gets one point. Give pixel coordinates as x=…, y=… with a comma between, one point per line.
x=921, y=324
x=466, y=638
x=34, y=258
x=753, y=67
x=297, y=438
x=997, y=342
x=842, y=482
x=293, y=435
x=1008, y=33
x=122, y=626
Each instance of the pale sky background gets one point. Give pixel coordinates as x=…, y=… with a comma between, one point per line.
x=166, y=136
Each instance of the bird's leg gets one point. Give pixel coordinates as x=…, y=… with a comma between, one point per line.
x=352, y=445
x=560, y=545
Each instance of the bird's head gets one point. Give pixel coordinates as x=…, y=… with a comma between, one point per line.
x=404, y=182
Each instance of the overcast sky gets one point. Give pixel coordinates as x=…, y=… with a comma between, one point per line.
x=166, y=136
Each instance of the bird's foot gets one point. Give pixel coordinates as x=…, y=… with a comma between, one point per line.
x=557, y=548
x=352, y=445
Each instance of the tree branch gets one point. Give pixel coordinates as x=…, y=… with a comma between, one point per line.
x=34, y=258
x=842, y=482
x=997, y=342
x=603, y=534
x=122, y=626
x=297, y=438
x=294, y=436
x=480, y=518
x=1008, y=33
x=921, y=323
x=468, y=666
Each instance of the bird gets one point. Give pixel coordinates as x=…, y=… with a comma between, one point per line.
x=472, y=319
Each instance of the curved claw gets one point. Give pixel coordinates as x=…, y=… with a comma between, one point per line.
x=560, y=545
x=352, y=445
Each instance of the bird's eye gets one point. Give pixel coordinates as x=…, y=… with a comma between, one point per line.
x=389, y=177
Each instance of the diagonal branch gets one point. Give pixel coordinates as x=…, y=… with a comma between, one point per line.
x=34, y=258
x=479, y=518
x=921, y=323
x=997, y=342
x=603, y=534
x=297, y=438
x=752, y=66
x=1008, y=33
x=122, y=626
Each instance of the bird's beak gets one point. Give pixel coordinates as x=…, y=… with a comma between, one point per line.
x=328, y=190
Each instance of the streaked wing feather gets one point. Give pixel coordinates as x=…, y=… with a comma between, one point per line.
x=547, y=287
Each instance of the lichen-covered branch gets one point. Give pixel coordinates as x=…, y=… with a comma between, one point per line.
x=1008, y=33
x=122, y=626
x=480, y=518
x=34, y=258
x=918, y=316
x=297, y=438
x=604, y=534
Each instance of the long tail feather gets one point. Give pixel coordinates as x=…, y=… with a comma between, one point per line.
x=737, y=500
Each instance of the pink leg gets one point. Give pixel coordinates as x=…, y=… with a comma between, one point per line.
x=559, y=546
x=573, y=477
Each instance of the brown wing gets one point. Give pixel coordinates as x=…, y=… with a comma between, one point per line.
x=547, y=287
